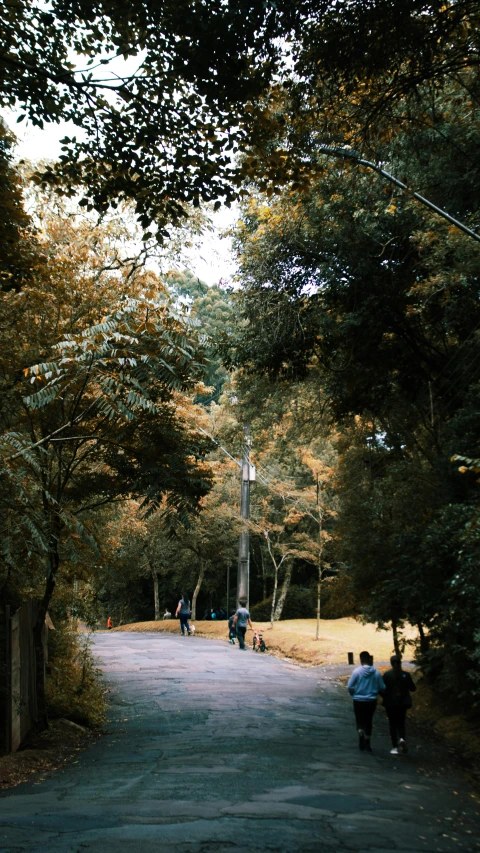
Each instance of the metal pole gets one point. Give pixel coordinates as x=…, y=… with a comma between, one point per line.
x=8, y=680
x=319, y=581
x=243, y=581
x=228, y=590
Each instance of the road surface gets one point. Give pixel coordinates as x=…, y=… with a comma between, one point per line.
x=214, y=750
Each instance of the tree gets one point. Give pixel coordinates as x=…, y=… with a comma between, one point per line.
x=212, y=537
x=178, y=556
x=211, y=309
x=97, y=403
x=18, y=251
x=156, y=91
x=354, y=285
x=359, y=291
x=349, y=93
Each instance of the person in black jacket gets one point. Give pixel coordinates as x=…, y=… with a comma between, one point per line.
x=397, y=701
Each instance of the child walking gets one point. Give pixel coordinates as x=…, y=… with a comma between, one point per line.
x=232, y=631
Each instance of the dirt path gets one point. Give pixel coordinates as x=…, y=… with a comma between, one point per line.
x=213, y=750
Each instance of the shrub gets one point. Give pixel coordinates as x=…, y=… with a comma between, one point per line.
x=73, y=687
x=301, y=603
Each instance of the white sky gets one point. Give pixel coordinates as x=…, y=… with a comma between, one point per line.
x=212, y=261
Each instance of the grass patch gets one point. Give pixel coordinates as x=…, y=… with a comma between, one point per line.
x=295, y=638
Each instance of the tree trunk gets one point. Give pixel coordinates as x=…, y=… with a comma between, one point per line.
x=274, y=595
x=264, y=576
x=396, y=638
x=53, y=561
x=320, y=570
x=201, y=575
x=424, y=642
x=155, y=596
x=319, y=601
x=283, y=591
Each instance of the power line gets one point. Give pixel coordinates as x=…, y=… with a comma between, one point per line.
x=219, y=445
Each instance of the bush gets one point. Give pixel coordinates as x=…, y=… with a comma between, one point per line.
x=301, y=603
x=73, y=686
x=261, y=612
x=337, y=597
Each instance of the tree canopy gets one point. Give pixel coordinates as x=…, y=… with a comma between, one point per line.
x=157, y=91
x=349, y=343
x=354, y=286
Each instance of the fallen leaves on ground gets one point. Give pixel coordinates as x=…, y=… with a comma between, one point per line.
x=44, y=752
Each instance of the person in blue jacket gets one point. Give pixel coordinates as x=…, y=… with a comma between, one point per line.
x=364, y=685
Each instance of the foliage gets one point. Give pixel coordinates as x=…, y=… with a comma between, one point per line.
x=350, y=94
x=211, y=310
x=177, y=558
x=110, y=416
x=451, y=550
x=356, y=290
x=299, y=604
x=74, y=687
x=98, y=373
x=155, y=93
x=16, y=238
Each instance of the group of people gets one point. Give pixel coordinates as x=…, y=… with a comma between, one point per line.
x=366, y=684
x=214, y=613
x=237, y=623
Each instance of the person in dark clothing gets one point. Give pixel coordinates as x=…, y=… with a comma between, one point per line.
x=232, y=631
x=241, y=620
x=364, y=686
x=397, y=701
x=183, y=611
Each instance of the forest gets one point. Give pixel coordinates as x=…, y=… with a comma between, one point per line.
x=348, y=341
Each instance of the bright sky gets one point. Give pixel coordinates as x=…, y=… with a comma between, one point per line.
x=212, y=261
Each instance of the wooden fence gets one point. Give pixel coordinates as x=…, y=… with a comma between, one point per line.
x=18, y=675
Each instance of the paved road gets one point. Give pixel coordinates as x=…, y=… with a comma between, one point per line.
x=215, y=751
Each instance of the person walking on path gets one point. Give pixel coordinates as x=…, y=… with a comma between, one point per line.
x=364, y=685
x=240, y=622
x=183, y=611
x=109, y=623
x=397, y=701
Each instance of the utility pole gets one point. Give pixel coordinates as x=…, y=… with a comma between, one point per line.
x=248, y=476
x=320, y=565
x=228, y=590
x=243, y=581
